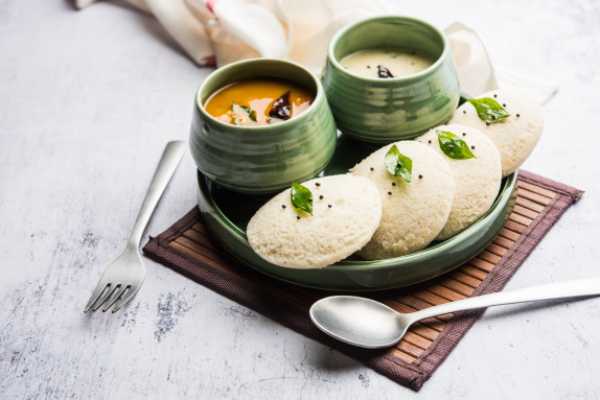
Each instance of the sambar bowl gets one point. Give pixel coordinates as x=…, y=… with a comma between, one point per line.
x=262, y=159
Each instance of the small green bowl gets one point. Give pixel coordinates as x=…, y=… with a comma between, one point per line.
x=262, y=159
x=386, y=110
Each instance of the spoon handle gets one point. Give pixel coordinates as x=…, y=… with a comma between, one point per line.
x=576, y=288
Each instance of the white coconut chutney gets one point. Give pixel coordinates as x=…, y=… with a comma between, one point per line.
x=385, y=63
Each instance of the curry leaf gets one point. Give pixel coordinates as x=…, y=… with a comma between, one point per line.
x=454, y=147
x=281, y=107
x=489, y=110
x=397, y=164
x=301, y=198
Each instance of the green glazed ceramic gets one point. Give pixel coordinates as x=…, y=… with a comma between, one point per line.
x=226, y=215
x=262, y=159
x=386, y=110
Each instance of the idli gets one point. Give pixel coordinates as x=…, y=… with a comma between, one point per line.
x=475, y=163
x=511, y=120
x=416, y=186
x=317, y=223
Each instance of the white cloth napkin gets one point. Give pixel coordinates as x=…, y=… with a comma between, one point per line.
x=217, y=32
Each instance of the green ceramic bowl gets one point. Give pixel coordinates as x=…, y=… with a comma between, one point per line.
x=226, y=215
x=386, y=110
x=262, y=159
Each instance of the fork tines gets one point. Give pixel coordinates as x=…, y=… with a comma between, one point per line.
x=107, y=295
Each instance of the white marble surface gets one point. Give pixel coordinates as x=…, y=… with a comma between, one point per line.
x=87, y=101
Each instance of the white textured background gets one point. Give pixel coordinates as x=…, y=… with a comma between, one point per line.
x=87, y=101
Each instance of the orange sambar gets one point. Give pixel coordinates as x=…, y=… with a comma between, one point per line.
x=258, y=96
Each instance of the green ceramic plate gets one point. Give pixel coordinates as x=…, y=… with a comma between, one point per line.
x=226, y=214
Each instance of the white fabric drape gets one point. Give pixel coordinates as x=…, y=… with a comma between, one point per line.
x=217, y=32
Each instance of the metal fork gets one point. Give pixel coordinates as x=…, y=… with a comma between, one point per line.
x=122, y=279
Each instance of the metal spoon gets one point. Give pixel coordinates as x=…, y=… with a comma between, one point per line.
x=370, y=324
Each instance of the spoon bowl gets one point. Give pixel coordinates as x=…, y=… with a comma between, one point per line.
x=359, y=321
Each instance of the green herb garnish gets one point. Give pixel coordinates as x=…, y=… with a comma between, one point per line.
x=454, y=147
x=241, y=112
x=301, y=198
x=251, y=113
x=489, y=110
x=397, y=164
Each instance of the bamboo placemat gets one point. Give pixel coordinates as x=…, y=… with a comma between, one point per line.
x=186, y=248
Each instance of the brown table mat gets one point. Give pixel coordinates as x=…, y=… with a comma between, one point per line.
x=186, y=248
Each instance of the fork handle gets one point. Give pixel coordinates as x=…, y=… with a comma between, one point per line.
x=164, y=172
x=576, y=288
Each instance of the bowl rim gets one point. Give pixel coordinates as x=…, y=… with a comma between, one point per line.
x=401, y=79
x=505, y=193
x=319, y=95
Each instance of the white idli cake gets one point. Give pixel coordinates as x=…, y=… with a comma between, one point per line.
x=475, y=163
x=416, y=186
x=317, y=223
x=511, y=120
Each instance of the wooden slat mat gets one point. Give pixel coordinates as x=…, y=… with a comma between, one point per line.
x=186, y=247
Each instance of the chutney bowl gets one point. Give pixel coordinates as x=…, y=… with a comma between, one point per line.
x=266, y=158
x=385, y=110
